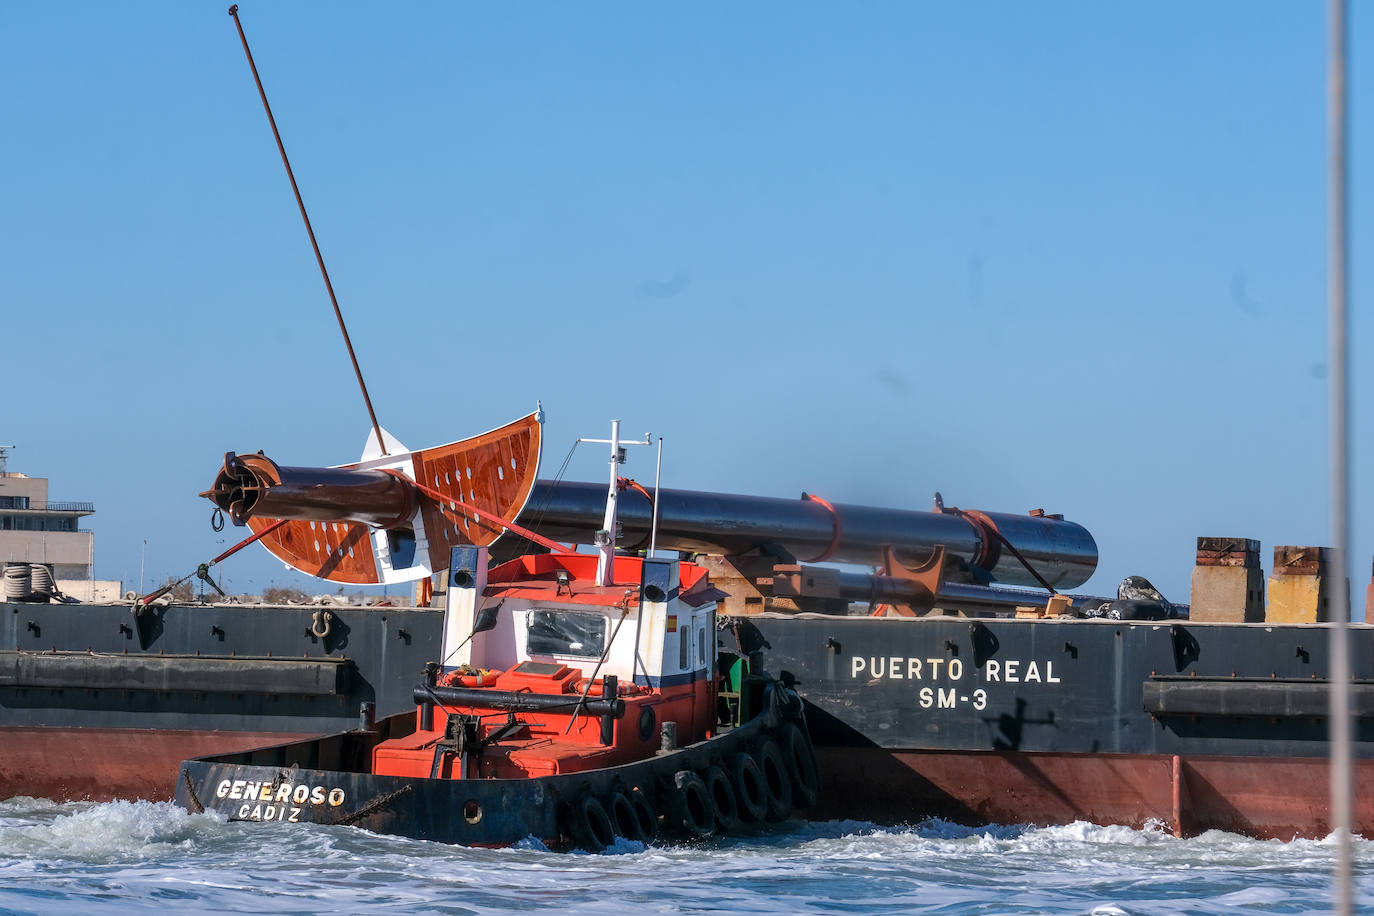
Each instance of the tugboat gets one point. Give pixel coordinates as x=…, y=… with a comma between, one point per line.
x=578, y=698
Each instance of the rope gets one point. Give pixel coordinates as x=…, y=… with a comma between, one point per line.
x=540, y=511
x=988, y=526
x=629, y=483
x=372, y=807
x=197, y=807
x=153, y=596
x=441, y=499
x=581, y=700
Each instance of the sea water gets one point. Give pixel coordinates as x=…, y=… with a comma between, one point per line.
x=84, y=857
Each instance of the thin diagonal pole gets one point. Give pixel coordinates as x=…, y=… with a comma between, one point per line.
x=319, y=259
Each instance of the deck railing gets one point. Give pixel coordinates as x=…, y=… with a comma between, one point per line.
x=49, y=505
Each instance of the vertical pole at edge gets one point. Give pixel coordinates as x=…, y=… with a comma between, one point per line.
x=1337, y=280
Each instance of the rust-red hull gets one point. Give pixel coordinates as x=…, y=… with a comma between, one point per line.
x=103, y=764
x=1266, y=797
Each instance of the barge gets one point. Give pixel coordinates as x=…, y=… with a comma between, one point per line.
x=966, y=709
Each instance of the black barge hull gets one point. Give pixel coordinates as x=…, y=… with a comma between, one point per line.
x=1195, y=726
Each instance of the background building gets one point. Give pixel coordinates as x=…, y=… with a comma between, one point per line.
x=37, y=529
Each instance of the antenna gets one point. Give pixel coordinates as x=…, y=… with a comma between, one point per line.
x=4, y=459
x=605, y=538
x=319, y=258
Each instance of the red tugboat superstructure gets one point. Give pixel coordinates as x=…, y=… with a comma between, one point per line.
x=578, y=698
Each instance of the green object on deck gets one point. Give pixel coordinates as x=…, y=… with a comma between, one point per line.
x=733, y=694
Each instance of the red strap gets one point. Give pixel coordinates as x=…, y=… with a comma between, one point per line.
x=629, y=483
x=248, y=540
x=441, y=499
x=153, y=596
x=838, y=530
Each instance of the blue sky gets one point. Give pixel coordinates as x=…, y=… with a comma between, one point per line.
x=1068, y=256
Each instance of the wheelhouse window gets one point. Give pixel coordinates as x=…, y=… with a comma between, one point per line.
x=566, y=633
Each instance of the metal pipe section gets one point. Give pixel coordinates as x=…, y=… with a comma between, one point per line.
x=971, y=599
x=720, y=523
x=800, y=582
x=249, y=486
x=995, y=599
x=812, y=531
x=515, y=701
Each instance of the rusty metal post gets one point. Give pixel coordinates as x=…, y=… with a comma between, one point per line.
x=610, y=689
x=1306, y=586
x=1228, y=583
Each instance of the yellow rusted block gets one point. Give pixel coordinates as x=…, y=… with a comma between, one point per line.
x=1296, y=599
x=1303, y=584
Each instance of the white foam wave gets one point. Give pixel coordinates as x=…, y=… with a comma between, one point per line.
x=74, y=858
x=116, y=831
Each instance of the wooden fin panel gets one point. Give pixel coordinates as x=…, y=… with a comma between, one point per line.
x=337, y=551
x=494, y=471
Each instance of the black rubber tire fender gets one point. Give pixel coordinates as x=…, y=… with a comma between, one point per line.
x=750, y=792
x=776, y=781
x=589, y=824
x=723, y=797
x=801, y=764
x=644, y=813
x=695, y=814
x=624, y=818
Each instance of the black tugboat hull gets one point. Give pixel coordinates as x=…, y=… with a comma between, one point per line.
x=318, y=781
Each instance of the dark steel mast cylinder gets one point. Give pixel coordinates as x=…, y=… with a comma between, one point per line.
x=255, y=486
x=1063, y=552
x=720, y=523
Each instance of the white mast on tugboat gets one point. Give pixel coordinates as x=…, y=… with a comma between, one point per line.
x=605, y=538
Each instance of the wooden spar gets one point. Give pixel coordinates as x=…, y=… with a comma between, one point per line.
x=319, y=258
x=341, y=521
